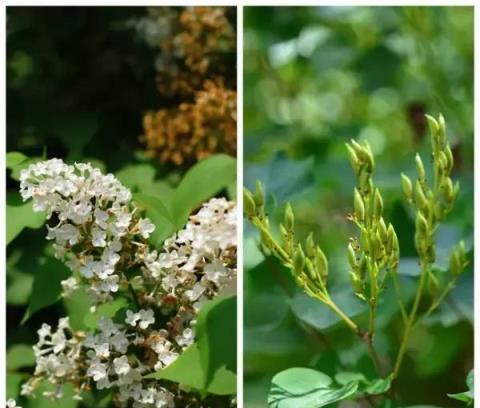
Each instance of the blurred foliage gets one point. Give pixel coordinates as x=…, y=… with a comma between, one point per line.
x=313, y=79
x=79, y=81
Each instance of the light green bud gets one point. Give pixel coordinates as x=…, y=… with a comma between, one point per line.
x=321, y=262
x=369, y=156
x=377, y=204
x=442, y=133
x=382, y=229
x=420, y=167
x=448, y=190
x=289, y=218
x=421, y=224
x=420, y=199
x=298, y=259
x=358, y=205
x=407, y=187
x=310, y=245
x=352, y=157
x=358, y=285
x=248, y=203
x=352, y=257
x=259, y=194
x=449, y=156
x=432, y=124
x=455, y=263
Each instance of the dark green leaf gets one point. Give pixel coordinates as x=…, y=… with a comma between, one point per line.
x=20, y=355
x=108, y=309
x=202, y=181
x=21, y=215
x=216, y=337
x=46, y=286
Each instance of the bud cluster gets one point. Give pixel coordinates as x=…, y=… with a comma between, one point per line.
x=433, y=199
x=376, y=250
x=307, y=261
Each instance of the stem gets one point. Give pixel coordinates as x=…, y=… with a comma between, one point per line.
x=439, y=300
x=398, y=295
x=278, y=248
x=349, y=322
x=410, y=322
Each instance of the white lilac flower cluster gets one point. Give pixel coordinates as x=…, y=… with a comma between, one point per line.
x=100, y=235
x=88, y=209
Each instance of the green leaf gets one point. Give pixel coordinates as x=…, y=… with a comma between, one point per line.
x=17, y=168
x=19, y=287
x=159, y=214
x=21, y=215
x=78, y=308
x=216, y=337
x=304, y=387
x=137, y=176
x=66, y=401
x=13, y=159
x=108, y=309
x=466, y=396
x=187, y=370
x=202, y=181
x=13, y=383
x=20, y=355
x=347, y=377
x=46, y=286
x=314, y=313
x=75, y=131
x=282, y=177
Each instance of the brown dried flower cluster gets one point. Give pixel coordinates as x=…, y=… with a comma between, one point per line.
x=196, y=72
x=193, y=130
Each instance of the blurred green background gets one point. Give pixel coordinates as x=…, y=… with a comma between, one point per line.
x=313, y=79
x=79, y=80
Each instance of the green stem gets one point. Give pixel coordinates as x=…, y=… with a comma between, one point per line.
x=349, y=322
x=283, y=254
x=410, y=322
x=398, y=294
x=439, y=300
x=134, y=295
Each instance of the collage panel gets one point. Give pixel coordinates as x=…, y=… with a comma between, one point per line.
x=358, y=234
x=121, y=257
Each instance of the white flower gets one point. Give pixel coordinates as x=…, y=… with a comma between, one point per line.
x=146, y=318
x=11, y=403
x=98, y=237
x=102, y=350
x=132, y=318
x=121, y=365
x=186, y=339
x=145, y=227
x=97, y=370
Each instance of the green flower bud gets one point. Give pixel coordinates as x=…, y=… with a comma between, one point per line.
x=321, y=262
x=358, y=285
x=369, y=156
x=420, y=199
x=420, y=167
x=289, y=219
x=407, y=187
x=442, y=133
x=352, y=157
x=449, y=156
x=358, y=206
x=352, y=257
x=310, y=245
x=377, y=204
x=382, y=229
x=432, y=124
x=421, y=224
x=298, y=260
x=259, y=194
x=448, y=190
x=248, y=203
x=310, y=270
x=455, y=263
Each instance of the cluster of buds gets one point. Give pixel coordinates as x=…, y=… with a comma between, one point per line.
x=307, y=261
x=376, y=251
x=433, y=199
x=101, y=237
